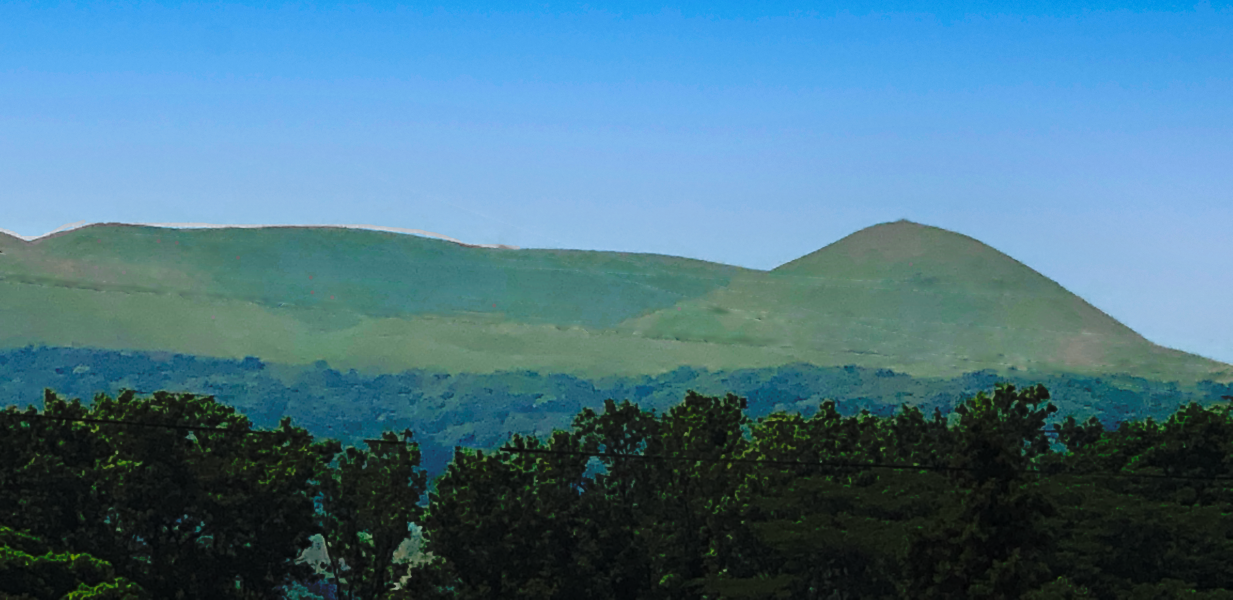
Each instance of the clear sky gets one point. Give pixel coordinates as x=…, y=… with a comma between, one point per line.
x=1093, y=142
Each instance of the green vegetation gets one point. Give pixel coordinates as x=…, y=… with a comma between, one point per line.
x=372, y=273
x=369, y=504
x=200, y=513
x=177, y=496
x=480, y=410
x=919, y=300
x=734, y=467
x=700, y=503
x=29, y=570
x=902, y=296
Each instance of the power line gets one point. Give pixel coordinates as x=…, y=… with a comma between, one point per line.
x=616, y=455
x=165, y=425
x=840, y=464
x=224, y=430
x=142, y=424
x=239, y=431
x=722, y=460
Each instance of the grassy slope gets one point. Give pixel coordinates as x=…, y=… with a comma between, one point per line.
x=376, y=274
x=382, y=302
x=925, y=301
x=358, y=299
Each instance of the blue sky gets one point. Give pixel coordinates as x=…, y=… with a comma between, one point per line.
x=1093, y=142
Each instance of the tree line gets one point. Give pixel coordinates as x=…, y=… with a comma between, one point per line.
x=480, y=409
x=178, y=496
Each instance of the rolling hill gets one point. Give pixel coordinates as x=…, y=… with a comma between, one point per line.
x=917, y=299
x=922, y=300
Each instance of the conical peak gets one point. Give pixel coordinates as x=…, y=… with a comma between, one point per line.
x=903, y=240
x=892, y=243
x=929, y=272
x=921, y=255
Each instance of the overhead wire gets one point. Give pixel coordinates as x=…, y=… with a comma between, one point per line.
x=192, y=428
x=857, y=465
x=730, y=460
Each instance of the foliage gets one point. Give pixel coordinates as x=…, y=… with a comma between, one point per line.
x=511, y=525
x=369, y=504
x=839, y=529
x=980, y=506
x=989, y=542
x=203, y=515
x=480, y=410
x=30, y=570
x=695, y=502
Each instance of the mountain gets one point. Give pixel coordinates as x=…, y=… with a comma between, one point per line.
x=909, y=297
x=922, y=300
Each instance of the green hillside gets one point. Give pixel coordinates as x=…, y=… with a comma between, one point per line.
x=372, y=273
x=922, y=300
x=917, y=299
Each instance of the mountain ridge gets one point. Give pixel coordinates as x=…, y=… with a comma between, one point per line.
x=900, y=295
x=72, y=227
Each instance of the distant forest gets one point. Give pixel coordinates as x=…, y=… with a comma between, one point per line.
x=481, y=410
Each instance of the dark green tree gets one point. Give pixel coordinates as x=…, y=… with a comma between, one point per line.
x=50, y=483
x=1077, y=437
x=655, y=524
x=1144, y=504
x=1061, y=588
x=990, y=541
x=511, y=525
x=31, y=570
x=836, y=531
x=663, y=501
x=184, y=513
x=693, y=528
x=1113, y=543
x=622, y=493
x=369, y=504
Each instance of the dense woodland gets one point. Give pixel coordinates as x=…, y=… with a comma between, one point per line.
x=481, y=410
x=142, y=497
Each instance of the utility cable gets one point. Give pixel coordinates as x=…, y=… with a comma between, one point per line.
x=634, y=456
x=165, y=425
x=844, y=464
